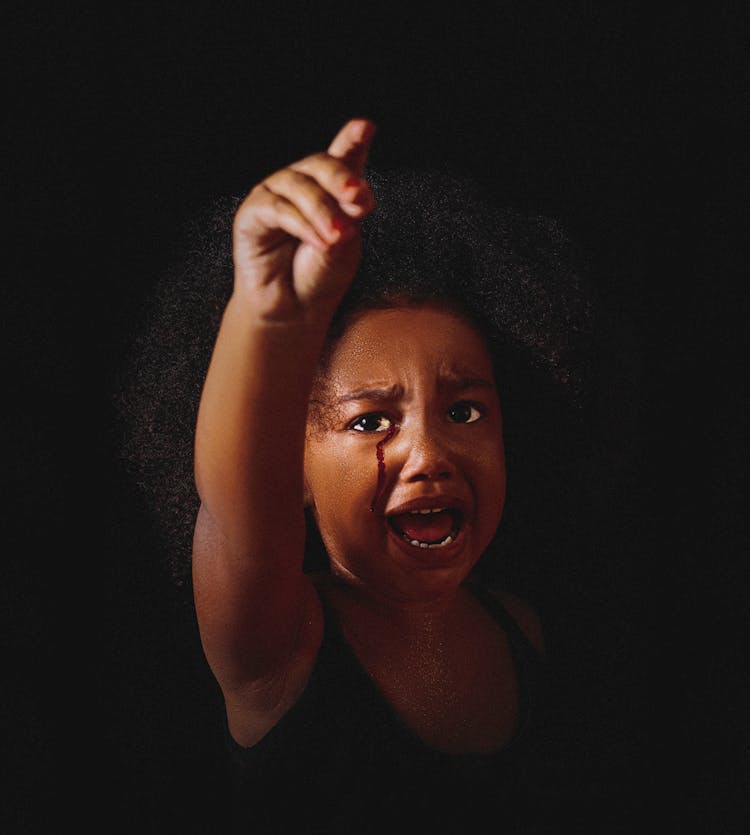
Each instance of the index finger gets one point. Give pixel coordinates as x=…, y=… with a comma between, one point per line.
x=352, y=143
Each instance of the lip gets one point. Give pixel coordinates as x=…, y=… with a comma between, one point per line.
x=430, y=557
x=429, y=503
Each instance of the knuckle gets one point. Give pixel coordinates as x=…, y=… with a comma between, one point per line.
x=323, y=165
x=255, y=194
x=253, y=197
x=276, y=202
x=318, y=158
x=259, y=198
x=244, y=211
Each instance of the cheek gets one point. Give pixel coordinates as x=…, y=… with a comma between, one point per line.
x=487, y=453
x=332, y=478
x=491, y=474
x=380, y=464
x=340, y=487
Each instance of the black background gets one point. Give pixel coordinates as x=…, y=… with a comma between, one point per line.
x=621, y=121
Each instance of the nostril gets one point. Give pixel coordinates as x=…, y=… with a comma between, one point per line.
x=427, y=459
x=426, y=475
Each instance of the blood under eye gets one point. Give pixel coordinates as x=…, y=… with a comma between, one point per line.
x=464, y=412
x=371, y=423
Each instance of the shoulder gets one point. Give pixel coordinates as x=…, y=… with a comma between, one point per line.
x=524, y=615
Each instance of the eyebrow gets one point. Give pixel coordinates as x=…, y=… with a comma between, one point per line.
x=378, y=394
x=456, y=382
x=461, y=381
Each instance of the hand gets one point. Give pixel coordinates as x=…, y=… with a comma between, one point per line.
x=296, y=236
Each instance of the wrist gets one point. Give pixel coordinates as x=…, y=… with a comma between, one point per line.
x=301, y=330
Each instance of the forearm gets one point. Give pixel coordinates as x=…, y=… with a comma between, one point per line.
x=249, y=445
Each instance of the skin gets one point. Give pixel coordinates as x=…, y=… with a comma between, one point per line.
x=439, y=658
x=427, y=372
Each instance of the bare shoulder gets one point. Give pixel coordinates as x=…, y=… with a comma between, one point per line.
x=524, y=615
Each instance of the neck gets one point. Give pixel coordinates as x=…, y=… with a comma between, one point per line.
x=419, y=611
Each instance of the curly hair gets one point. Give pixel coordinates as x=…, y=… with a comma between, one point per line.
x=434, y=237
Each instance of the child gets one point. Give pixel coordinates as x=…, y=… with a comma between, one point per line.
x=383, y=687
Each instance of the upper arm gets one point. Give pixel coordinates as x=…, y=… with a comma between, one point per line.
x=260, y=629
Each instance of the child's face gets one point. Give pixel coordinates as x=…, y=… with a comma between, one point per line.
x=427, y=373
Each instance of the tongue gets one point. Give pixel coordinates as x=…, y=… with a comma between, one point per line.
x=428, y=527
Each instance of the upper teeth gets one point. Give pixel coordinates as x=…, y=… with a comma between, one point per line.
x=426, y=511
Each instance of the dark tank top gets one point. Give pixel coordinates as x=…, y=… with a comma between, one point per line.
x=342, y=761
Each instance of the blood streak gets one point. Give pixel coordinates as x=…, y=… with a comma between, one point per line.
x=380, y=455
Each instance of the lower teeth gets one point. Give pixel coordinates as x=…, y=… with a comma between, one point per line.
x=417, y=544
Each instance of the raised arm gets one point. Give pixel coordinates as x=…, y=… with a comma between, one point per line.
x=296, y=247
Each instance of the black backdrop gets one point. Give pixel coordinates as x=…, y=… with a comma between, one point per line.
x=621, y=121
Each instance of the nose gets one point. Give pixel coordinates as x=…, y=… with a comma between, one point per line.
x=426, y=456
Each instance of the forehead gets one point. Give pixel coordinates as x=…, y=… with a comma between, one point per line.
x=408, y=342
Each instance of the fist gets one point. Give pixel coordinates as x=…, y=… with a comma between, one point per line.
x=296, y=236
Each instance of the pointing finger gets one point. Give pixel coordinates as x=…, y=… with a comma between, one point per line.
x=352, y=143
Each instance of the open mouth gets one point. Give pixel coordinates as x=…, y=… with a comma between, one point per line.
x=427, y=528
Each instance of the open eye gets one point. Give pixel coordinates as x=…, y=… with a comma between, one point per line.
x=373, y=422
x=464, y=412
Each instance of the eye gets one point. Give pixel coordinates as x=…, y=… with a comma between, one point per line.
x=374, y=422
x=464, y=412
